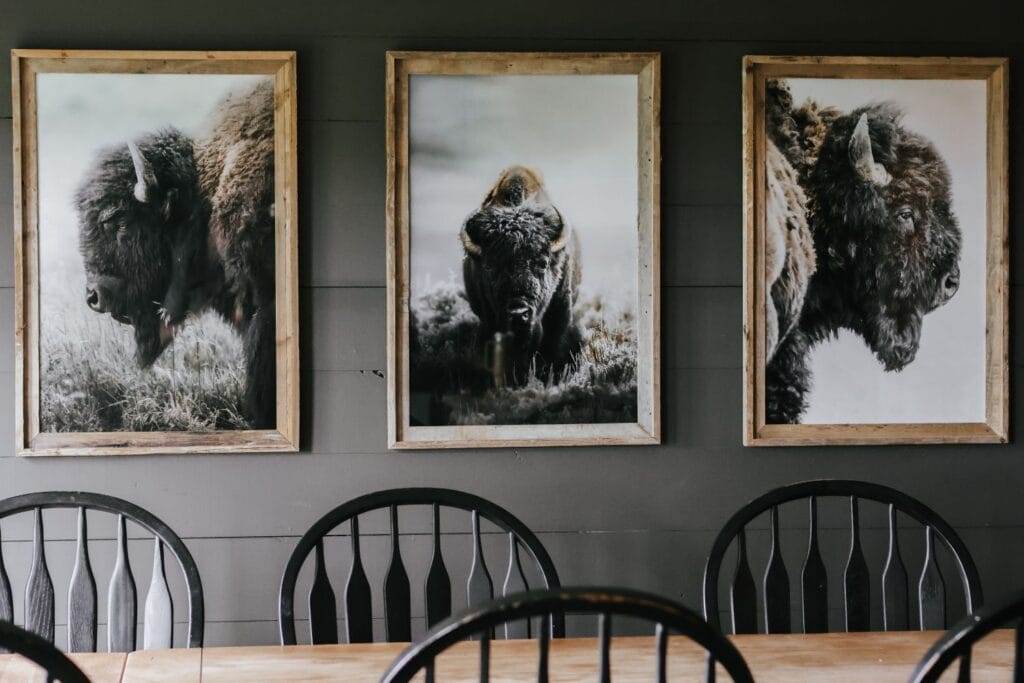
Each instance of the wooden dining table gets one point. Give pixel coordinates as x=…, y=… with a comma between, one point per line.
x=870, y=657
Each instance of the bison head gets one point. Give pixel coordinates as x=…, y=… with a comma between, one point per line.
x=138, y=214
x=515, y=255
x=887, y=241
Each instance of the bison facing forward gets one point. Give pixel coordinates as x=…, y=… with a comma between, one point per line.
x=875, y=198
x=521, y=273
x=169, y=226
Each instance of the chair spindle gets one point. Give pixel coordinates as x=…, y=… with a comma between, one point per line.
x=776, y=584
x=397, y=614
x=39, y=589
x=6, y=597
x=814, y=584
x=82, y=595
x=158, y=619
x=479, y=587
x=122, y=609
x=742, y=592
x=485, y=659
x=604, y=637
x=358, y=610
x=543, y=645
x=856, y=580
x=895, y=591
x=438, y=597
x=515, y=582
x=661, y=653
x=323, y=614
x=931, y=589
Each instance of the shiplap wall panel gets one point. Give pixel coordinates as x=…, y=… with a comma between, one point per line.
x=650, y=532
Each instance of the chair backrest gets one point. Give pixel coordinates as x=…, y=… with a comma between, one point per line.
x=668, y=617
x=437, y=590
x=956, y=643
x=39, y=650
x=776, y=606
x=158, y=620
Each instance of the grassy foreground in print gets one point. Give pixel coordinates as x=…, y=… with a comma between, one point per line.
x=90, y=381
x=600, y=386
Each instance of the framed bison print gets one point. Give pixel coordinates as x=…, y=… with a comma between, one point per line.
x=876, y=267
x=523, y=299
x=155, y=272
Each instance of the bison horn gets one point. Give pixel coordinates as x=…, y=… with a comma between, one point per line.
x=562, y=239
x=143, y=173
x=863, y=158
x=468, y=244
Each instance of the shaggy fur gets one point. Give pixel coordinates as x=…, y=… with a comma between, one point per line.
x=521, y=273
x=886, y=242
x=203, y=238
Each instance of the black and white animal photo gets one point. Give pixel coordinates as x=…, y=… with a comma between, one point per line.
x=874, y=251
x=156, y=197
x=523, y=231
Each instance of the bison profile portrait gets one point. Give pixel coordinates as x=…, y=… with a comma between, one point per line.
x=172, y=225
x=860, y=236
x=521, y=274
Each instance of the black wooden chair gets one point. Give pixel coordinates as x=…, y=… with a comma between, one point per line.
x=776, y=606
x=158, y=621
x=957, y=643
x=437, y=589
x=39, y=650
x=669, y=617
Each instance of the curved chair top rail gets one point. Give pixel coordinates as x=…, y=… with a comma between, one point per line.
x=668, y=615
x=823, y=488
x=958, y=641
x=42, y=500
x=39, y=650
x=378, y=500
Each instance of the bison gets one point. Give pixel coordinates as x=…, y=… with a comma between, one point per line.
x=171, y=225
x=521, y=273
x=874, y=199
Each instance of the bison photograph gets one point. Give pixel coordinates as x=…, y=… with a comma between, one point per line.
x=156, y=252
x=875, y=234
x=523, y=250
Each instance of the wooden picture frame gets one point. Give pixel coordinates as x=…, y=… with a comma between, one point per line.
x=758, y=71
x=26, y=65
x=401, y=67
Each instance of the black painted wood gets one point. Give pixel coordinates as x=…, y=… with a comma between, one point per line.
x=485, y=657
x=437, y=587
x=776, y=584
x=661, y=653
x=814, y=583
x=605, y=603
x=543, y=649
x=956, y=644
x=323, y=609
x=39, y=650
x=397, y=608
x=515, y=582
x=931, y=588
x=39, y=588
x=358, y=610
x=122, y=627
x=856, y=580
x=6, y=597
x=895, y=591
x=122, y=607
x=82, y=595
x=743, y=592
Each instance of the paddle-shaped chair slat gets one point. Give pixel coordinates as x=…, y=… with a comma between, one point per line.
x=6, y=597
x=158, y=615
x=397, y=610
x=776, y=584
x=895, y=590
x=122, y=608
x=396, y=581
x=39, y=588
x=857, y=575
x=515, y=582
x=814, y=580
x=604, y=603
x=82, y=595
x=323, y=610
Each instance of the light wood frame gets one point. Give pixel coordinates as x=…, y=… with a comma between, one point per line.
x=647, y=67
x=25, y=64
x=994, y=71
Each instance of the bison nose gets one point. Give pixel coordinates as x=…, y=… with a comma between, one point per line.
x=951, y=283
x=92, y=299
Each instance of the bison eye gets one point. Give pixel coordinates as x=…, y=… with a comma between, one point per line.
x=905, y=217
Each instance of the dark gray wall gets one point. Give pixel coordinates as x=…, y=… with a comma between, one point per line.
x=641, y=517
